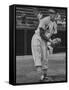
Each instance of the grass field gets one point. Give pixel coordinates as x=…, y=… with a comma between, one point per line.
x=26, y=72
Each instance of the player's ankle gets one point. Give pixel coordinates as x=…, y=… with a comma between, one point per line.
x=42, y=77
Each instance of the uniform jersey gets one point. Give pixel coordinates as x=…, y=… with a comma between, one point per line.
x=42, y=23
x=46, y=22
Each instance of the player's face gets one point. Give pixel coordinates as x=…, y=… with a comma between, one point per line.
x=52, y=16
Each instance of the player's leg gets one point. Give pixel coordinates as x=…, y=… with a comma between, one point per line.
x=50, y=49
x=37, y=62
x=36, y=52
x=40, y=72
x=45, y=68
x=44, y=60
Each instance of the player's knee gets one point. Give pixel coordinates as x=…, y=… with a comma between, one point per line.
x=45, y=67
x=39, y=68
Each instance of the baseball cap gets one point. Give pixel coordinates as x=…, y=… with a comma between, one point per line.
x=51, y=11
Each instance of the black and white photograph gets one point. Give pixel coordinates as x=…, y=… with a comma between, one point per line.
x=40, y=44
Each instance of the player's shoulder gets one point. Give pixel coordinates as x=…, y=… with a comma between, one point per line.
x=47, y=18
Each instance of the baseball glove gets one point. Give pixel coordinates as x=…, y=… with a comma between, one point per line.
x=56, y=42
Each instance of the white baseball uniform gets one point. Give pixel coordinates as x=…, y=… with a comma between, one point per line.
x=39, y=46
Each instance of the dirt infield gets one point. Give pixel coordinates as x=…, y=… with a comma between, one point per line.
x=26, y=72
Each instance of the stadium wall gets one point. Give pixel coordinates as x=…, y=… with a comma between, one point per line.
x=23, y=41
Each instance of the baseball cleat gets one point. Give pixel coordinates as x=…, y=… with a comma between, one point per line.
x=42, y=79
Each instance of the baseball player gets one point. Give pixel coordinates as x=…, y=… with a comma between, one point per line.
x=39, y=43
